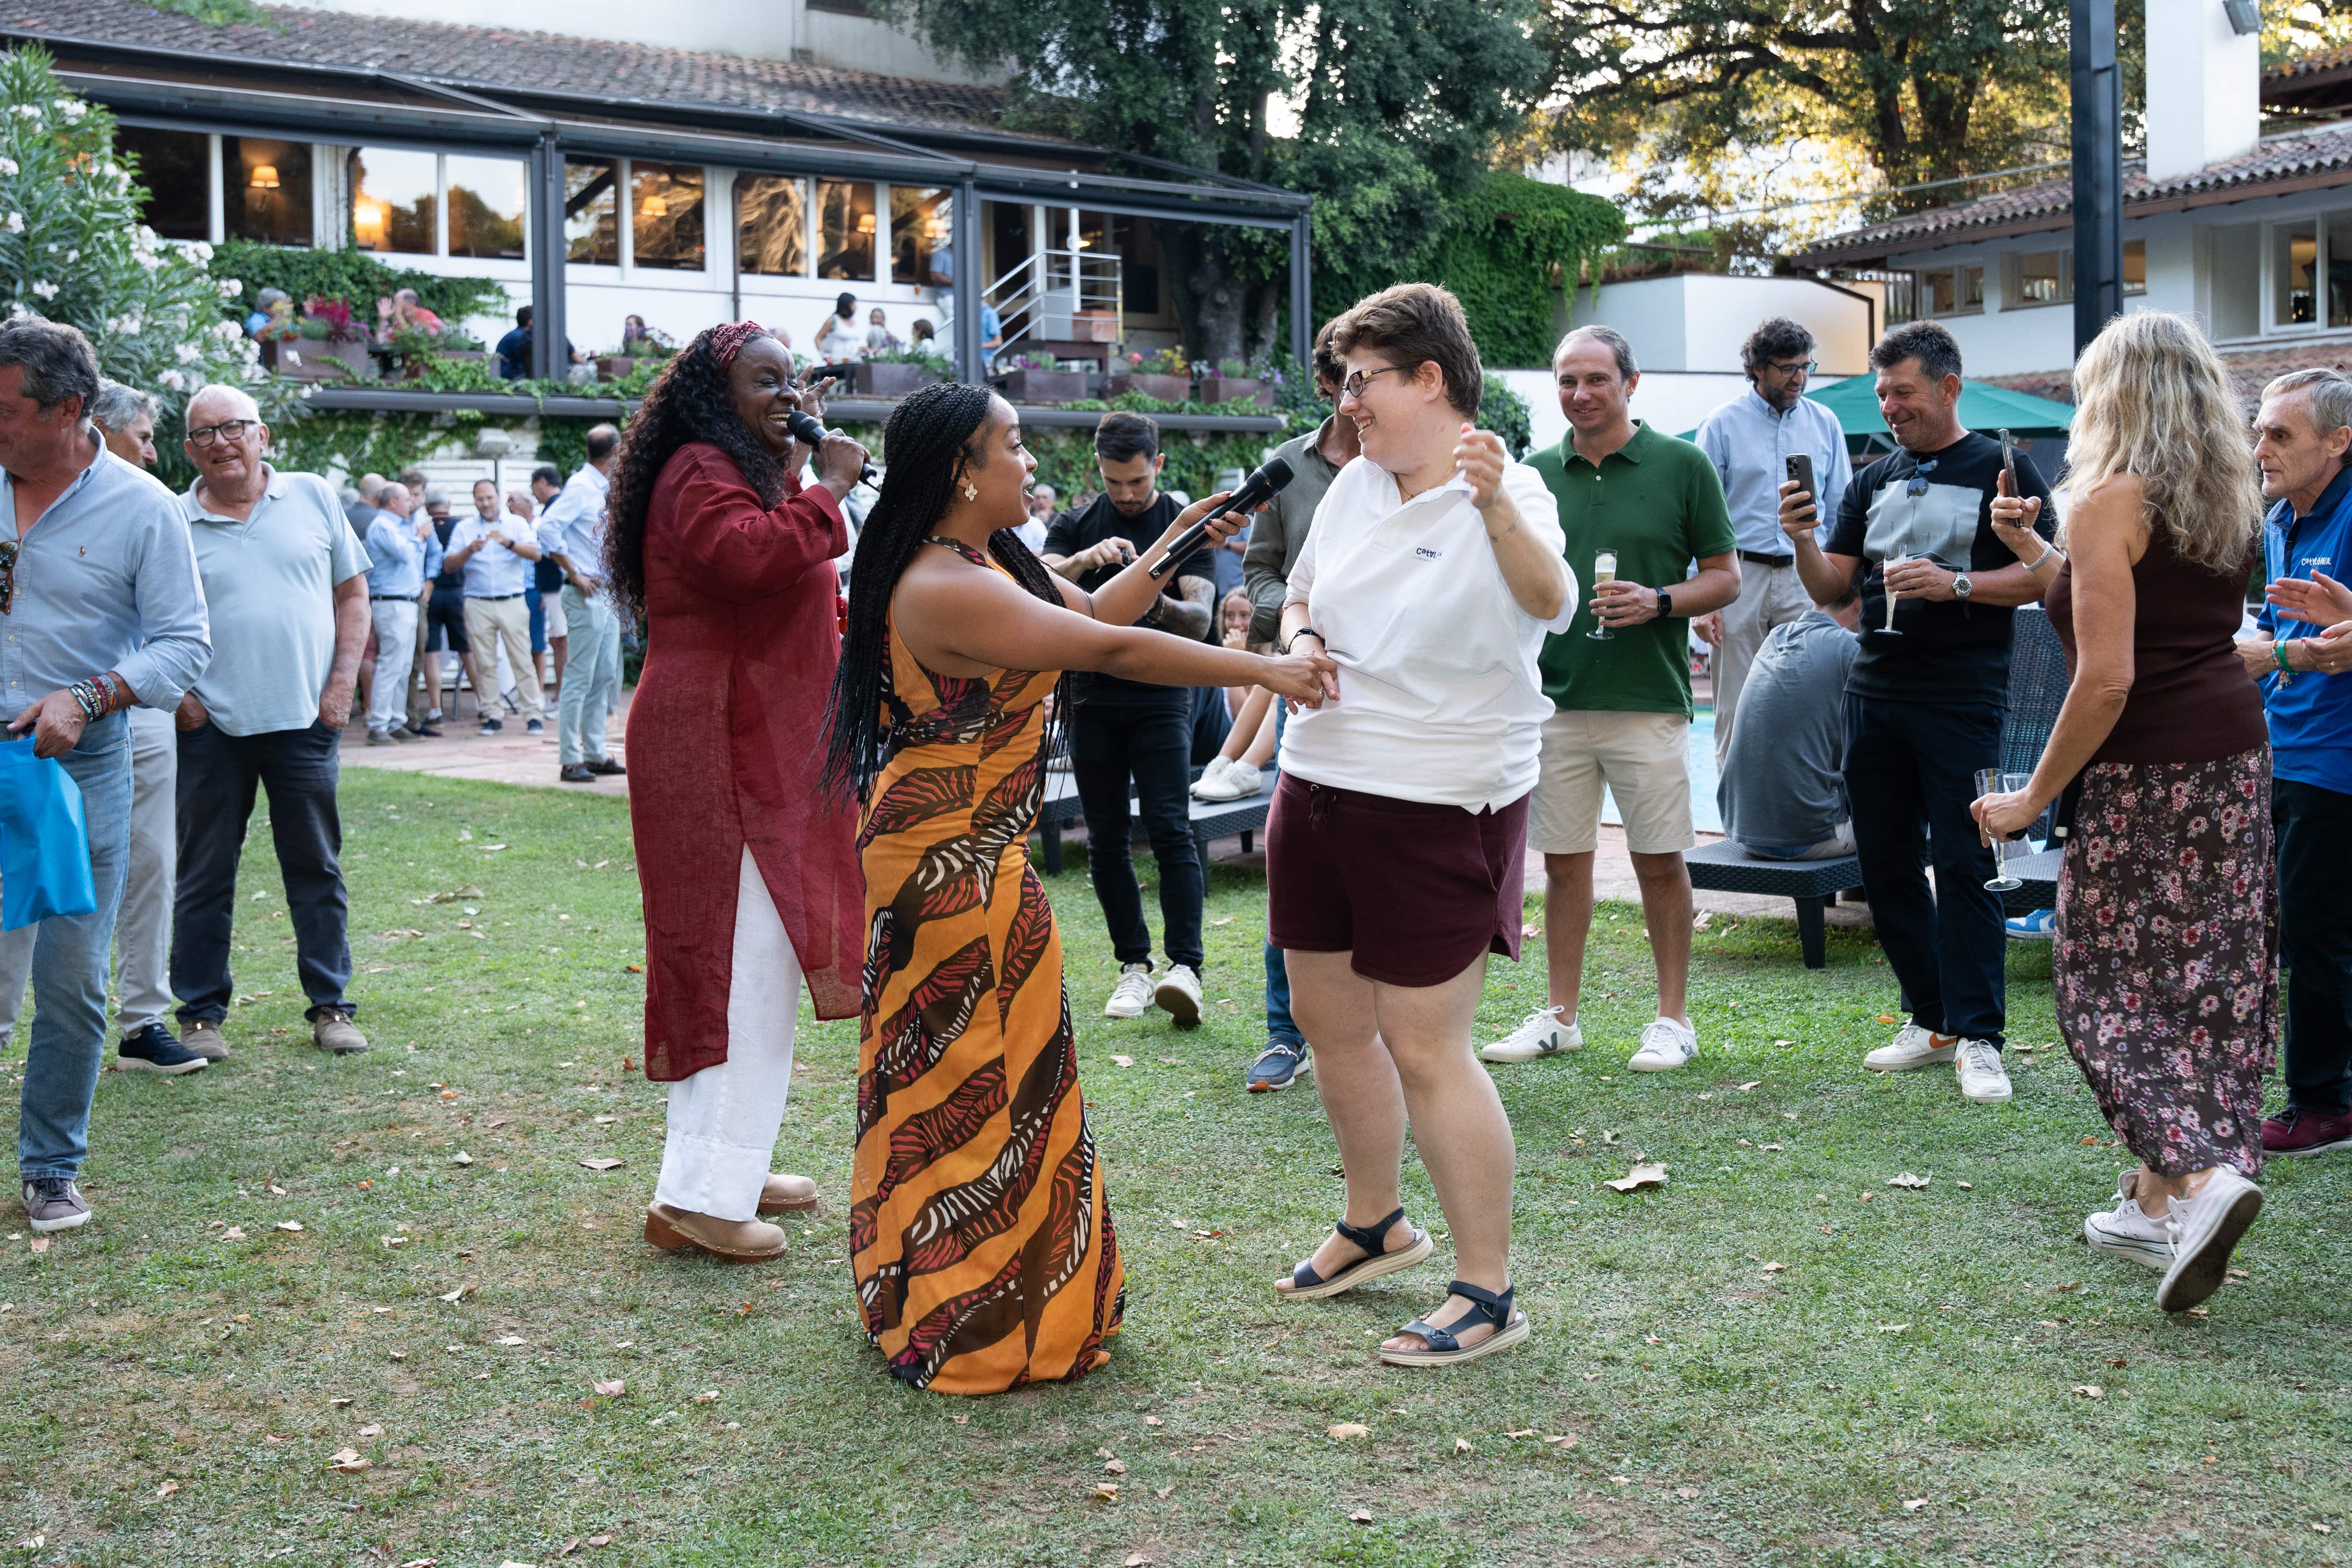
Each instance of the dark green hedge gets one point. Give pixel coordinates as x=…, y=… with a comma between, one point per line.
x=354, y=277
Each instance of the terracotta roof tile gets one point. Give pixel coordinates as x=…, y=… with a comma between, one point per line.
x=2250, y=369
x=503, y=60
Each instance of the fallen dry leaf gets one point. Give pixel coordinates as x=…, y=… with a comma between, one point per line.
x=1162, y=1492
x=1686, y=1492
x=461, y=1158
x=1565, y=1441
x=372, y=1429
x=167, y=1488
x=1639, y=1177
x=1907, y=1179
x=2089, y=1391
x=1347, y=1429
x=293, y=1225
x=1522, y=1432
x=1107, y=1491
x=607, y=1163
x=1136, y=1560
x=1115, y=1466
x=1776, y=1269
x=458, y=1294
x=610, y=1389
x=391, y=1241
x=1462, y=1446
x=1965, y=1186
x=1122, y=1061
x=40, y=1243
x=1914, y=1505
x=340, y=1404
x=1361, y=1516
x=1751, y=1083
x=1706, y=917
x=511, y=1340
x=347, y=1461
x=707, y=1396
x=600, y=1541
x=1153, y=1421
x=234, y=1233
x=1892, y=1328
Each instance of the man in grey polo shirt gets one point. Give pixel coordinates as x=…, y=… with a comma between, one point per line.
x=1750, y=440
x=1782, y=792
x=287, y=584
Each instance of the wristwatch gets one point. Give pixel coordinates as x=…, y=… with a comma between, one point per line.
x=1292, y=641
x=1665, y=604
x=1962, y=587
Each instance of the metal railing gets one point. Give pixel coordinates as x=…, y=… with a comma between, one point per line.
x=1056, y=296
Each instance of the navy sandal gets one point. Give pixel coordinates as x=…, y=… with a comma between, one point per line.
x=1446, y=1349
x=1305, y=1285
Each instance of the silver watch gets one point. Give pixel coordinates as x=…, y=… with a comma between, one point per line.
x=1962, y=587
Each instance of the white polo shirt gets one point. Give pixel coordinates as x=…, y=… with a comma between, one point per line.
x=1440, y=698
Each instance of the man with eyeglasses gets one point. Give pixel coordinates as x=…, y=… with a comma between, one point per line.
x=1924, y=701
x=98, y=612
x=1750, y=440
x=287, y=584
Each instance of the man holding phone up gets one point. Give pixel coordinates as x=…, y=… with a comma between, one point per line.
x=1766, y=436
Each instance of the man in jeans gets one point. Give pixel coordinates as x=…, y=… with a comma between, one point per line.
x=98, y=600
x=1123, y=730
x=1750, y=440
x=572, y=534
x=1623, y=701
x=2305, y=431
x=1923, y=706
x=1275, y=538
x=286, y=583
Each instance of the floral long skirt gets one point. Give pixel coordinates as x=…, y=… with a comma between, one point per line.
x=2166, y=967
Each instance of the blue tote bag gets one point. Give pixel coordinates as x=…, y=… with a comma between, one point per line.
x=44, y=841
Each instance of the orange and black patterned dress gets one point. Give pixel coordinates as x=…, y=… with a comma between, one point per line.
x=981, y=1233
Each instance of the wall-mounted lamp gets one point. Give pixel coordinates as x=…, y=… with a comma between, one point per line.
x=264, y=177
x=2245, y=16
x=865, y=222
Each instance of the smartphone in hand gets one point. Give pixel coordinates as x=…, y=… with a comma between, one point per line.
x=1800, y=468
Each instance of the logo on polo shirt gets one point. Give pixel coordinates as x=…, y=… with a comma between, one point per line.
x=2319, y=560
x=1426, y=554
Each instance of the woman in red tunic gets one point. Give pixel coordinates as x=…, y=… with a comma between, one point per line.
x=749, y=875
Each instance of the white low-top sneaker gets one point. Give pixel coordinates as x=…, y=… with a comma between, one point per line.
x=1179, y=992
x=1542, y=1033
x=1131, y=997
x=2205, y=1227
x=2126, y=1231
x=1666, y=1046
x=1982, y=1077
x=1210, y=778
x=1914, y=1047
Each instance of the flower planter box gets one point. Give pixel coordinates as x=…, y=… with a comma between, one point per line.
x=889, y=378
x=1094, y=327
x=620, y=367
x=414, y=369
x=1167, y=388
x=1217, y=389
x=1043, y=386
x=317, y=359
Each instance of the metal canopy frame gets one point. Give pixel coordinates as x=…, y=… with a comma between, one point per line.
x=472, y=115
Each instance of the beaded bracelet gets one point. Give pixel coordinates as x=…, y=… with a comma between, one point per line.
x=85, y=694
x=111, y=690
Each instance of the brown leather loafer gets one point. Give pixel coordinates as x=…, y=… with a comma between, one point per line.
x=333, y=1032
x=782, y=1194
x=732, y=1240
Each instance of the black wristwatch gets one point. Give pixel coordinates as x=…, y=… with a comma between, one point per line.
x=1665, y=604
x=1292, y=640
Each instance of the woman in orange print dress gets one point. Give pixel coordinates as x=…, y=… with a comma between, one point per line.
x=980, y=1229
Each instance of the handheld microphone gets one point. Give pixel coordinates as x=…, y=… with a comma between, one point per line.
x=809, y=432
x=1255, y=491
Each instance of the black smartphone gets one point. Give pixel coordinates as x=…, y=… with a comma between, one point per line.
x=1800, y=468
x=2009, y=459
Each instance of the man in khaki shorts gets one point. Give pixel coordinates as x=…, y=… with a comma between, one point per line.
x=1623, y=699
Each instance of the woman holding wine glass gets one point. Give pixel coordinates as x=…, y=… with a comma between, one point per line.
x=2165, y=963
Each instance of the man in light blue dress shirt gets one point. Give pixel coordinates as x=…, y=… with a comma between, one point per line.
x=100, y=610
x=572, y=531
x=404, y=556
x=1750, y=440
x=285, y=578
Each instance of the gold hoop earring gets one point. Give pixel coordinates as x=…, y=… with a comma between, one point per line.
x=970, y=490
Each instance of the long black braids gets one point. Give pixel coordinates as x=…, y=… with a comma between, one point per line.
x=689, y=402
x=926, y=444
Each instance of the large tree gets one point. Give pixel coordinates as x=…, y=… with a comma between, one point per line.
x=1398, y=107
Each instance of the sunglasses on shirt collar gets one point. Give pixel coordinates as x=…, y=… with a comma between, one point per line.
x=1918, y=483
x=7, y=576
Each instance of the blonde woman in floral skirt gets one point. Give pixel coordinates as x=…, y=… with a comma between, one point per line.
x=2166, y=961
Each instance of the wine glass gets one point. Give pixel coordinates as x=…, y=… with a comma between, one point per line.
x=1889, y=565
x=1992, y=781
x=1604, y=570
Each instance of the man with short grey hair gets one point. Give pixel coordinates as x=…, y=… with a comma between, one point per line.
x=1750, y=440
x=404, y=553
x=125, y=417
x=100, y=597
x=284, y=581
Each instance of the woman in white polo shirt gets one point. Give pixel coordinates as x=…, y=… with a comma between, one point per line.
x=1394, y=855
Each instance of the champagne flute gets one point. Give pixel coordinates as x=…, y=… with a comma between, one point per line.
x=1604, y=570
x=1889, y=565
x=1992, y=781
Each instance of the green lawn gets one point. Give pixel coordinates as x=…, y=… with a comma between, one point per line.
x=1921, y=1347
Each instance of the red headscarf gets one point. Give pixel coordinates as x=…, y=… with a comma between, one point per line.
x=727, y=341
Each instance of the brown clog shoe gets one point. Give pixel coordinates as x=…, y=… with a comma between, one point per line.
x=734, y=1240
x=784, y=1193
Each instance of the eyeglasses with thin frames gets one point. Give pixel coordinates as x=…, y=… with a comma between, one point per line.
x=229, y=430
x=1358, y=380
x=1792, y=367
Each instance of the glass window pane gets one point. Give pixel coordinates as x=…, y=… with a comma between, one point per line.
x=1971, y=289
x=2038, y=279
x=1936, y=290
x=844, y=238
x=487, y=206
x=920, y=249
x=2295, y=254
x=391, y=200
x=2135, y=266
x=265, y=190
x=591, y=223
x=2339, y=269
x=172, y=168
x=772, y=225
x=666, y=213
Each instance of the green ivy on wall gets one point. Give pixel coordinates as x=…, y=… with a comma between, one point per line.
x=354, y=277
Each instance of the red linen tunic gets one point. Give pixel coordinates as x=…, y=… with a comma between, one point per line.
x=726, y=744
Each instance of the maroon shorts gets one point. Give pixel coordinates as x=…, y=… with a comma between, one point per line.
x=1412, y=892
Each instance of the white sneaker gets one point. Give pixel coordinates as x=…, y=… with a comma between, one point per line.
x=1542, y=1033
x=1914, y=1047
x=1131, y=997
x=1666, y=1046
x=2125, y=1231
x=2204, y=1229
x=1236, y=781
x=1210, y=778
x=1982, y=1077
x=1179, y=992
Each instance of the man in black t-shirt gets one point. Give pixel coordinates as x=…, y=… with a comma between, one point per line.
x=1924, y=703
x=1123, y=730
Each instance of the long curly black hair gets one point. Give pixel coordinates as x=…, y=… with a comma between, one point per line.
x=689, y=402
x=927, y=442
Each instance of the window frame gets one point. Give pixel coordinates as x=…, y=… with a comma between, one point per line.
x=1958, y=271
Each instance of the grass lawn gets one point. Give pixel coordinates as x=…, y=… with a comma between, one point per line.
x=1906, y=1388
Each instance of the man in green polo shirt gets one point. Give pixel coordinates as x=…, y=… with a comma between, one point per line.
x=1619, y=679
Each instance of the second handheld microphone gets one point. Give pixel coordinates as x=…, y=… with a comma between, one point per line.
x=1254, y=492
x=809, y=433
